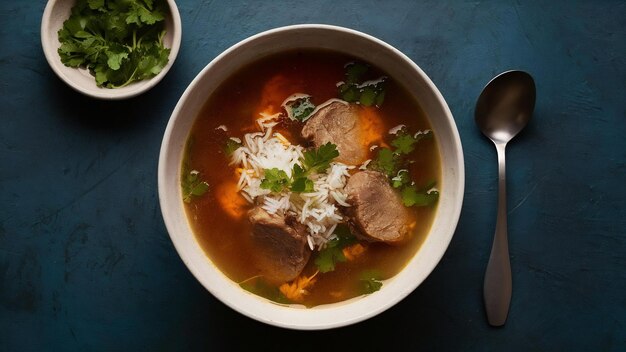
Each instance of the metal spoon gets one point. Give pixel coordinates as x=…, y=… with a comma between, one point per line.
x=502, y=110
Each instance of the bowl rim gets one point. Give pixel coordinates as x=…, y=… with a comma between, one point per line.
x=52, y=57
x=359, y=315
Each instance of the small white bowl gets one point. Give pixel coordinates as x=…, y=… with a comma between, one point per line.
x=362, y=46
x=57, y=11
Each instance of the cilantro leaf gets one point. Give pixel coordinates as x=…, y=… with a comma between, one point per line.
x=412, y=197
x=405, y=143
x=231, y=146
x=275, y=180
x=328, y=257
x=370, y=281
x=386, y=162
x=302, y=185
x=318, y=160
x=401, y=179
x=355, y=71
x=192, y=186
x=300, y=109
x=314, y=160
x=260, y=287
x=332, y=254
x=390, y=161
x=365, y=93
x=199, y=189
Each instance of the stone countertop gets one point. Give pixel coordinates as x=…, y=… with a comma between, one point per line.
x=86, y=263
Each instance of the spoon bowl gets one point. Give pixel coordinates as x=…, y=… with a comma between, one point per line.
x=505, y=105
x=502, y=111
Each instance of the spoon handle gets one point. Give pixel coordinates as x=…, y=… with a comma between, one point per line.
x=497, y=286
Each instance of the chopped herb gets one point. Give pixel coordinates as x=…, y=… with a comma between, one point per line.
x=332, y=254
x=318, y=160
x=301, y=108
x=231, y=146
x=405, y=142
x=401, y=179
x=355, y=71
x=390, y=161
x=385, y=162
x=260, y=287
x=302, y=185
x=370, y=281
x=314, y=161
x=367, y=94
x=192, y=186
x=349, y=93
x=275, y=180
x=119, y=41
x=412, y=197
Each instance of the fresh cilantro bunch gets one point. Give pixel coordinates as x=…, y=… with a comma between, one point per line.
x=394, y=164
x=119, y=41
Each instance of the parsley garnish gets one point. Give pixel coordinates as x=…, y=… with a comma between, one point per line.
x=231, y=146
x=365, y=94
x=193, y=186
x=390, y=163
x=119, y=41
x=332, y=254
x=385, y=162
x=401, y=179
x=275, y=180
x=300, y=108
x=412, y=197
x=314, y=161
x=318, y=160
x=301, y=183
x=405, y=143
x=370, y=281
x=260, y=287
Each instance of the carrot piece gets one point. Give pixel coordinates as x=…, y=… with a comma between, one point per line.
x=229, y=198
x=354, y=251
x=297, y=289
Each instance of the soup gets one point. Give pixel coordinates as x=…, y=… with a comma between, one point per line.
x=310, y=177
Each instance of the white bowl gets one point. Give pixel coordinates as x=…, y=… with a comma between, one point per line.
x=57, y=11
x=359, y=45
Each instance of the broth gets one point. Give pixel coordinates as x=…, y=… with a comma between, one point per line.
x=216, y=218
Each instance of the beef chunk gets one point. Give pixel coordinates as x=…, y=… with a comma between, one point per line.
x=337, y=123
x=282, y=249
x=376, y=212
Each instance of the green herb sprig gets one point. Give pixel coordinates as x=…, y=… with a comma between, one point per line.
x=370, y=281
x=300, y=109
x=329, y=256
x=391, y=163
x=365, y=94
x=314, y=161
x=192, y=186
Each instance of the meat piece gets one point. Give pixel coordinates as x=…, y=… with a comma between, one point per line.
x=376, y=212
x=337, y=123
x=282, y=246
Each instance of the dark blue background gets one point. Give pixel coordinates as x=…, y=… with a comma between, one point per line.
x=86, y=262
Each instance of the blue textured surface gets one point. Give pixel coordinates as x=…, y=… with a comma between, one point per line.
x=86, y=262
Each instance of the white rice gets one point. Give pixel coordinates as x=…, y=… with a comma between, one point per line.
x=317, y=210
